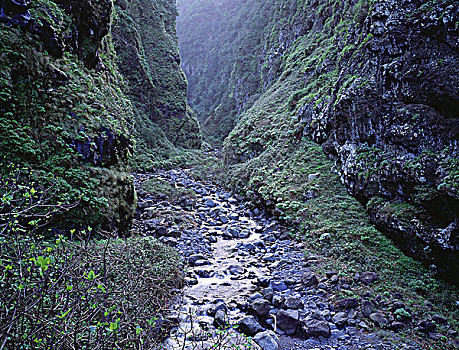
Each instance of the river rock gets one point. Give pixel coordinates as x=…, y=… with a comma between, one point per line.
x=210, y=203
x=260, y=307
x=340, y=319
x=378, y=319
x=346, y=304
x=278, y=300
x=278, y=286
x=287, y=320
x=193, y=258
x=309, y=279
x=368, y=278
x=244, y=234
x=202, y=262
x=294, y=303
x=217, y=307
x=267, y=340
x=250, y=326
x=315, y=326
x=220, y=319
x=269, y=257
x=367, y=308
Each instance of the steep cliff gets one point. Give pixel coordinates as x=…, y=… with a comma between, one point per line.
x=375, y=83
x=220, y=59
x=147, y=53
x=63, y=112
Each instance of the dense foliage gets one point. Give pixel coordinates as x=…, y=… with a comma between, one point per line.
x=66, y=120
x=78, y=293
x=148, y=57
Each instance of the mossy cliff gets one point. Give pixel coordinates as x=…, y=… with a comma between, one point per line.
x=374, y=83
x=63, y=112
x=68, y=113
x=146, y=43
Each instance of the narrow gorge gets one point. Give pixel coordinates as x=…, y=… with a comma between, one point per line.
x=229, y=174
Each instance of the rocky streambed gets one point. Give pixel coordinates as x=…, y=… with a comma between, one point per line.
x=247, y=275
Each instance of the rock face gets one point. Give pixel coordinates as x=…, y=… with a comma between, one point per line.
x=62, y=111
x=376, y=84
x=149, y=59
x=393, y=130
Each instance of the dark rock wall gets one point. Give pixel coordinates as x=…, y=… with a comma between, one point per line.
x=395, y=138
x=375, y=83
x=146, y=43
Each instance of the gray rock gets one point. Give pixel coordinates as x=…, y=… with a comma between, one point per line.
x=267, y=340
x=217, y=307
x=294, y=303
x=340, y=319
x=260, y=307
x=236, y=270
x=193, y=258
x=174, y=233
x=278, y=301
x=244, y=234
x=250, y=326
x=349, y=303
x=378, y=319
x=316, y=326
x=397, y=326
x=278, y=286
x=287, y=320
x=223, y=219
x=233, y=216
x=210, y=203
x=255, y=296
x=338, y=334
x=202, y=262
x=269, y=257
x=309, y=279
x=368, y=278
x=220, y=319
x=367, y=308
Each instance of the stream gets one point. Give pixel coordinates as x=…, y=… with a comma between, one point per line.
x=247, y=275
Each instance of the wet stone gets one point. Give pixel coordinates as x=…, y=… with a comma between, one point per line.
x=309, y=279
x=294, y=303
x=193, y=258
x=260, y=307
x=346, y=304
x=202, y=262
x=316, y=326
x=367, y=308
x=287, y=320
x=267, y=340
x=278, y=286
x=250, y=326
x=378, y=319
x=340, y=319
x=220, y=319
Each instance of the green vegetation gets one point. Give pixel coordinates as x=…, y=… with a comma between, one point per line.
x=58, y=118
x=79, y=292
x=148, y=57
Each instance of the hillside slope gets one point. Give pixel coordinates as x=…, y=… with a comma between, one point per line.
x=84, y=85
x=147, y=53
x=373, y=82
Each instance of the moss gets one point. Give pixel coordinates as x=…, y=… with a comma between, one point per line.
x=149, y=59
x=52, y=107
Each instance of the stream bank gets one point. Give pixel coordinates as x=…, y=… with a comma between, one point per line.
x=245, y=272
